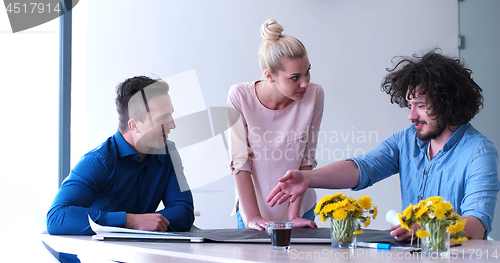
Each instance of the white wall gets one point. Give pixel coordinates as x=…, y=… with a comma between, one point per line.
x=350, y=44
x=479, y=22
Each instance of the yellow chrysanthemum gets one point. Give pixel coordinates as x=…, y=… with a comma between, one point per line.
x=422, y=210
x=434, y=210
x=350, y=207
x=337, y=195
x=452, y=229
x=357, y=232
x=457, y=227
x=452, y=216
x=447, y=206
x=317, y=210
x=403, y=223
x=365, y=202
x=322, y=218
x=340, y=214
x=434, y=199
x=367, y=222
x=407, y=212
x=461, y=223
x=458, y=240
x=358, y=213
x=422, y=233
x=439, y=211
x=343, y=203
x=340, y=207
x=329, y=208
x=322, y=202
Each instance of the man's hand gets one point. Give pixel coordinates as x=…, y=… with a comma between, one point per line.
x=149, y=222
x=302, y=222
x=257, y=223
x=291, y=185
x=401, y=234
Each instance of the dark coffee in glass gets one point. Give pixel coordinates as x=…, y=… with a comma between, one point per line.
x=281, y=234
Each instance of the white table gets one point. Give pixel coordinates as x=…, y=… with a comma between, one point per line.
x=133, y=251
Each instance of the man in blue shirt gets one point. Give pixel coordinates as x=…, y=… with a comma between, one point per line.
x=121, y=182
x=440, y=154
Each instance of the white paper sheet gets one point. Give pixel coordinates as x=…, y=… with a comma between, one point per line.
x=98, y=229
x=109, y=232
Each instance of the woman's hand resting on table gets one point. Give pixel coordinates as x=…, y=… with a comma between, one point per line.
x=257, y=223
x=302, y=222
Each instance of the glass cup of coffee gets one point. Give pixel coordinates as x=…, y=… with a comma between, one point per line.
x=281, y=234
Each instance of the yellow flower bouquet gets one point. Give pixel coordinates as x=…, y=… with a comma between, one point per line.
x=437, y=221
x=346, y=215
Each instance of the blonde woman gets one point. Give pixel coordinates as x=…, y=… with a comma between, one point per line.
x=275, y=131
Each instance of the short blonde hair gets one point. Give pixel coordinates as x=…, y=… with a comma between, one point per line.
x=275, y=46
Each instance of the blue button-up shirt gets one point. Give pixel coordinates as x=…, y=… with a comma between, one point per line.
x=464, y=172
x=110, y=181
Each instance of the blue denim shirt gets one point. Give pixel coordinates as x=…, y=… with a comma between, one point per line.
x=111, y=180
x=464, y=172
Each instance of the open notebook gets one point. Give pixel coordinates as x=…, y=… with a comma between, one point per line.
x=234, y=235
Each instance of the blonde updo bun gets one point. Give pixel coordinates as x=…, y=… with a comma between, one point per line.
x=275, y=46
x=271, y=30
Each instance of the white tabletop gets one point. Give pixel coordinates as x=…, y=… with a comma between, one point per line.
x=134, y=251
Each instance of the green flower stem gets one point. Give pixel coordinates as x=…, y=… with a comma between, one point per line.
x=437, y=235
x=342, y=230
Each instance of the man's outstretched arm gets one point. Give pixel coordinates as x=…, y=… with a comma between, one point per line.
x=338, y=175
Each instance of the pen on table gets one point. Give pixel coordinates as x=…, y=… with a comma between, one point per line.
x=373, y=245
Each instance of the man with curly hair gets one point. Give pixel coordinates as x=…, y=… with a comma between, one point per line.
x=439, y=154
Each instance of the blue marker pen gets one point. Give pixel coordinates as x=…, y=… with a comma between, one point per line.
x=373, y=245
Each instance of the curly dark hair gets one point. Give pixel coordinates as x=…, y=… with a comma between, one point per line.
x=127, y=89
x=453, y=96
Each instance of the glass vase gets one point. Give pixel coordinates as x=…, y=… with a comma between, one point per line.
x=342, y=233
x=437, y=244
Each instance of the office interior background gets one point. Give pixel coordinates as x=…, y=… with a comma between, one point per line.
x=202, y=48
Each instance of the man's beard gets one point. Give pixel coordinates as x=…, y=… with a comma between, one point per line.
x=432, y=134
